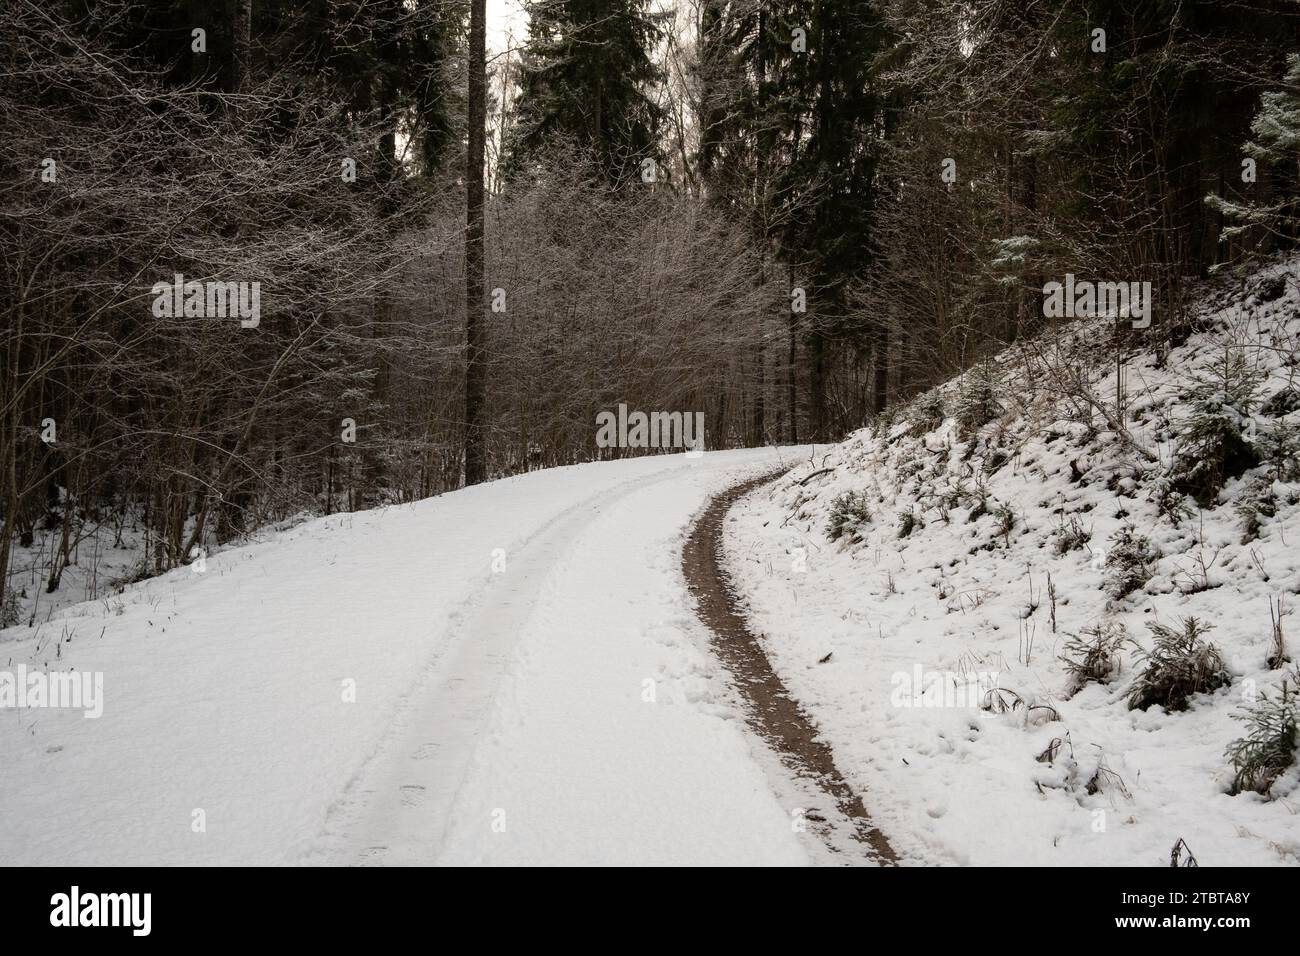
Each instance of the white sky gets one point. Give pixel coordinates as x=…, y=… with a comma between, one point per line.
x=503, y=17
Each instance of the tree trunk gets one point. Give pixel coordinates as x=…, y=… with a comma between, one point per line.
x=764, y=152
x=880, y=384
x=817, y=381
x=241, y=56
x=827, y=291
x=474, y=359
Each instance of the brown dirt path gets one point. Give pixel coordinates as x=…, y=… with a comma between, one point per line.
x=771, y=711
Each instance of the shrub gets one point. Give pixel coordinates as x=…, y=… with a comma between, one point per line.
x=11, y=609
x=977, y=401
x=1180, y=664
x=928, y=411
x=848, y=511
x=1269, y=746
x=979, y=501
x=1170, y=503
x=1093, y=657
x=1280, y=403
x=906, y=523
x=1278, y=448
x=1213, y=446
x=1006, y=518
x=1070, y=536
x=910, y=465
x=1256, y=502
x=883, y=423
x=1128, y=563
x=141, y=570
x=952, y=498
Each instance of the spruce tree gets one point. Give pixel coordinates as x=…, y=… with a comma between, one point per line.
x=587, y=81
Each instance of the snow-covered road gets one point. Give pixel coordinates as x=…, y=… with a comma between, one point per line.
x=507, y=674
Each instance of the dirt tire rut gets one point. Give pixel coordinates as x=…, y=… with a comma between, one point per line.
x=770, y=710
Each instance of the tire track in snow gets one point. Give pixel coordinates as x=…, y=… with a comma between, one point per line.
x=398, y=808
x=770, y=710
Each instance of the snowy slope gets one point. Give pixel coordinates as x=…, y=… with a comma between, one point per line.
x=483, y=698
x=940, y=594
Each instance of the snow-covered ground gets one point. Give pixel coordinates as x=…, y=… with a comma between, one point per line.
x=513, y=673
x=508, y=674
x=103, y=557
x=925, y=642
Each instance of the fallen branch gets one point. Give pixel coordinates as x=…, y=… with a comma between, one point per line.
x=823, y=471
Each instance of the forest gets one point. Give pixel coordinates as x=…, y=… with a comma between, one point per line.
x=787, y=216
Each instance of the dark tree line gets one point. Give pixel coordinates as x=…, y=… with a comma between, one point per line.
x=787, y=214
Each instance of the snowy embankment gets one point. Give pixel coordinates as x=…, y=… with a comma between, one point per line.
x=927, y=595
x=370, y=688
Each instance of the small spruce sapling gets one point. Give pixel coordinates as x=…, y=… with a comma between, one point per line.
x=1128, y=562
x=1180, y=664
x=1269, y=745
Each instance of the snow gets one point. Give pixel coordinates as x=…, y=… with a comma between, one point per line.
x=513, y=673
x=962, y=603
x=499, y=716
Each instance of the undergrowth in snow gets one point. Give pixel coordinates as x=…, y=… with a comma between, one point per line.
x=1103, y=544
x=106, y=552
